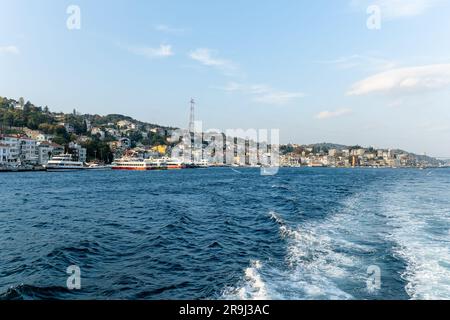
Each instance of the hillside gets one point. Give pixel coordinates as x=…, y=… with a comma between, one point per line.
x=95, y=132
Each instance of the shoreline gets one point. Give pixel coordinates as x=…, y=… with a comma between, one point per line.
x=4, y=170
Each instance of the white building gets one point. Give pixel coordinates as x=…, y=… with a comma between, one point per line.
x=44, y=152
x=332, y=152
x=28, y=150
x=125, y=124
x=21, y=148
x=4, y=154
x=79, y=152
x=14, y=146
x=98, y=131
x=44, y=137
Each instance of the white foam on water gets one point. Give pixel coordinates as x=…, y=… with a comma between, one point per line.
x=419, y=219
x=328, y=258
x=319, y=258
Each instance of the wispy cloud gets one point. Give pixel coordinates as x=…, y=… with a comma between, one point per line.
x=208, y=57
x=169, y=30
x=405, y=80
x=333, y=114
x=395, y=9
x=367, y=62
x=262, y=93
x=9, y=49
x=163, y=51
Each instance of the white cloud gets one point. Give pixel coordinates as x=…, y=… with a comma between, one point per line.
x=262, y=93
x=9, y=50
x=333, y=114
x=168, y=29
x=278, y=97
x=163, y=51
x=361, y=61
x=206, y=57
x=395, y=9
x=405, y=80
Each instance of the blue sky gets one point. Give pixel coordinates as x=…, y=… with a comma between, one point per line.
x=313, y=69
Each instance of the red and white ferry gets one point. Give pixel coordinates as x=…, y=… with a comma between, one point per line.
x=173, y=164
x=129, y=164
x=147, y=164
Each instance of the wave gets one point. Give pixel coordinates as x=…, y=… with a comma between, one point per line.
x=29, y=292
x=320, y=260
x=420, y=220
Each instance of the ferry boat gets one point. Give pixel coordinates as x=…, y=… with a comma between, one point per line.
x=63, y=162
x=174, y=164
x=147, y=164
x=203, y=163
x=156, y=164
x=129, y=164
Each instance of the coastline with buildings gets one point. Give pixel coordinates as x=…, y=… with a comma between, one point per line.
x=31, y=136
x=338, y=156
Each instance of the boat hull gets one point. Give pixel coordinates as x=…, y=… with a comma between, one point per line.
x=63, y=169
x=129, y=168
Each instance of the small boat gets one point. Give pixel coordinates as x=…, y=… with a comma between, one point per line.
x=97, y=167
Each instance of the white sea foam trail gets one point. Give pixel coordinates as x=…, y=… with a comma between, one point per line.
x=419, y=213
x=319, y=260
x=399, y=226
x=254, y=287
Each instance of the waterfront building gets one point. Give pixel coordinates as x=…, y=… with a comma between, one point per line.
x=28, y=150
x=46, y=150
x=4, y=154
x=14, y=146
x=79, y=153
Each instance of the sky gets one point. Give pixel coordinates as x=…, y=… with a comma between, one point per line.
x=319, y=71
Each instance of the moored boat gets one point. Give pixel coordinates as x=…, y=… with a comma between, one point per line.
x=129, y=164
x=97, y=167
x=174, y=164
x=63, y=162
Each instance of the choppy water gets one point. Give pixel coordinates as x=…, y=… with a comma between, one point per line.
x=225, y=234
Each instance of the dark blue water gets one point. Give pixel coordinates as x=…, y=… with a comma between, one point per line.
x=220, y=233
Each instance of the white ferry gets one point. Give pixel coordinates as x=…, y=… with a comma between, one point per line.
x=156, y=164
x=174, y=164
x=63, y=162
x=147, y=164
x=129, y=164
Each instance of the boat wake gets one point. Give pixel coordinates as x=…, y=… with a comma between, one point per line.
x=320, y=262
x=422, y=237
x=402, y=230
